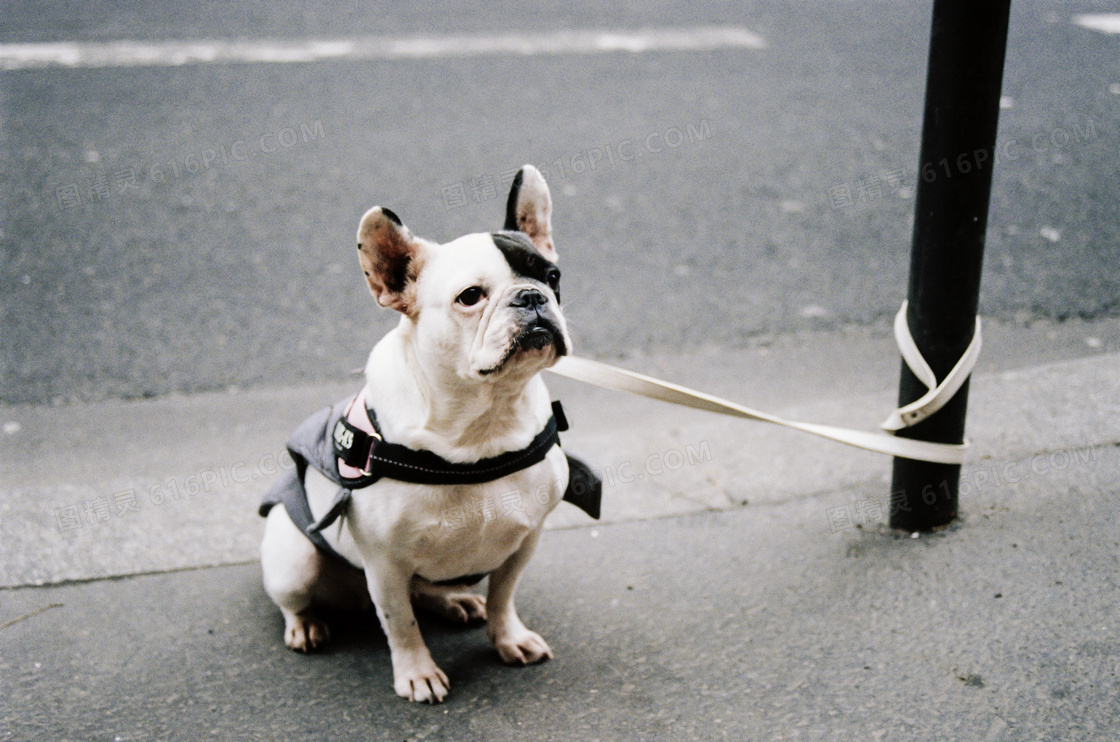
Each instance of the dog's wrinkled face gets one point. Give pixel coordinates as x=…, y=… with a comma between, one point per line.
x=486, y=305
x=473, y=304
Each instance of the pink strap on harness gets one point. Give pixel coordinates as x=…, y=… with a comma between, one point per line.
x=357, y=416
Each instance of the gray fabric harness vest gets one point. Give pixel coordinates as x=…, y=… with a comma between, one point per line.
x=326, y=439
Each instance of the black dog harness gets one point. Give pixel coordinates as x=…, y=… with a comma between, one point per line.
x=343, y=442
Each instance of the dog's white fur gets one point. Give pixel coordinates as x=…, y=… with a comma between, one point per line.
x=439, y=381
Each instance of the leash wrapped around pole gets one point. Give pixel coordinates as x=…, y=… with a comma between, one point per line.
x=939, y=394
x=609, y=377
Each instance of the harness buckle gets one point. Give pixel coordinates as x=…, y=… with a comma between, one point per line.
x=368, y=471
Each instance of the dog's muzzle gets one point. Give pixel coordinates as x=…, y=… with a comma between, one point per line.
x=538, y=327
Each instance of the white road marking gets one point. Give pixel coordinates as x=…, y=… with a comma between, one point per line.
x=259, y=51
x=1103, y=22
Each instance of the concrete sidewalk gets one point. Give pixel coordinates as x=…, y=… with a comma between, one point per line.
x=740, y=586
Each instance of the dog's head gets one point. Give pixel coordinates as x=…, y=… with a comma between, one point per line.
x=487, y=305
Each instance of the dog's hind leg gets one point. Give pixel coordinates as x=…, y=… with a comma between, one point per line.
x=455, y=603
x=298, y=577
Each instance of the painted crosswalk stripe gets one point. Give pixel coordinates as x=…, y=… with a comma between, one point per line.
x=170, y=53
x=1103, y=22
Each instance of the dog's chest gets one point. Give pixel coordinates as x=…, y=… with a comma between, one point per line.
x=449, y=531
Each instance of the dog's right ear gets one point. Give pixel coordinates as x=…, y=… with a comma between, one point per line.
x=390, y=257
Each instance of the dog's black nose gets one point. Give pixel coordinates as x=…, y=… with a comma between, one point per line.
x=529, y=299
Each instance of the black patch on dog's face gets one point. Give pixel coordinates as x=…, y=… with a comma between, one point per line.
x=525, y=261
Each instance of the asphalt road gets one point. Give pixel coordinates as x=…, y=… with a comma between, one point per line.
x=176, y=229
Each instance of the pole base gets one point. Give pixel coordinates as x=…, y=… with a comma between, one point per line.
x=923, y=495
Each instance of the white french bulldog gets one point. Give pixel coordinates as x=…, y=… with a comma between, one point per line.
x=459, y=378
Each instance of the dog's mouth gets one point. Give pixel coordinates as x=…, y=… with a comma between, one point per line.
x=535, y=338
x=539, y=335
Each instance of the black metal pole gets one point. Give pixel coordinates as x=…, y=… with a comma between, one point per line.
x=967, y=44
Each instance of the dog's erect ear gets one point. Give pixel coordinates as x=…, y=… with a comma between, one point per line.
x=390, y=257
x=529, y=210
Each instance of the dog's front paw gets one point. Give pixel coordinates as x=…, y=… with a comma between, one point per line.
x=304, y=632
x=419, y=679
x=521, y=647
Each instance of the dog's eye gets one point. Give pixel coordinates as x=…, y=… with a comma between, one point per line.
x=552, y=278
x=470, y=297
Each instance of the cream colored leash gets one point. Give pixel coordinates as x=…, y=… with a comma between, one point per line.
x=610, y=377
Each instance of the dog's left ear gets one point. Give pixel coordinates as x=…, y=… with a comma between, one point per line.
x=529, y=210
x=390, y=256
